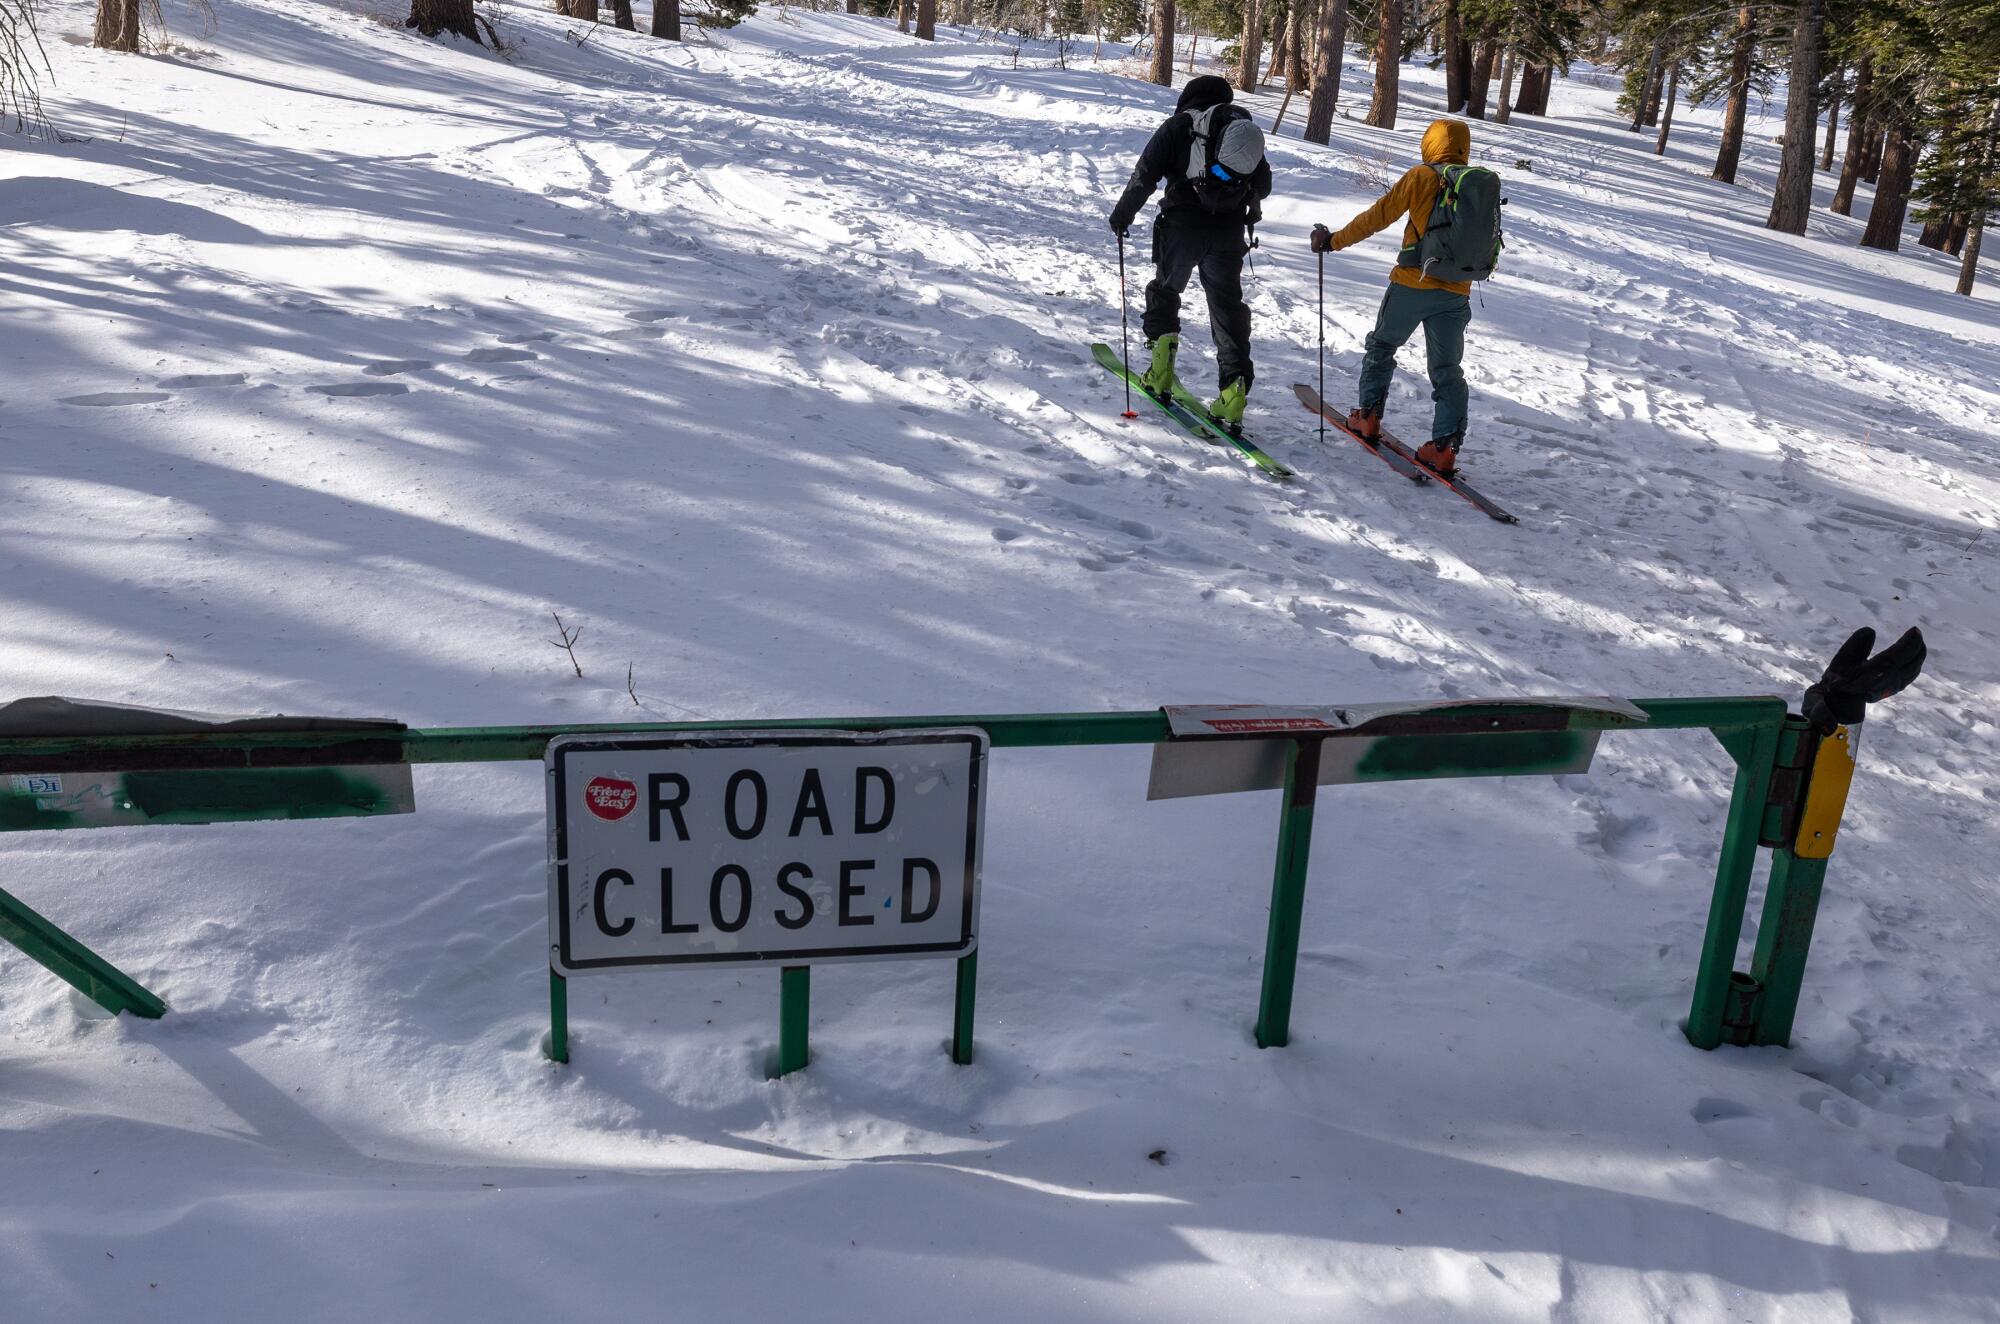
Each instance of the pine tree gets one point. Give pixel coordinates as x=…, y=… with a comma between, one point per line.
x=1332, y=42
x=1388, y=64
x=1736, y=111
x=1792, y=204
x=1250, y=49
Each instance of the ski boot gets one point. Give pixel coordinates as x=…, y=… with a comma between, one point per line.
x=1159, y=376
x=1441, y=453
x=1365, y=422
x=1228, y=407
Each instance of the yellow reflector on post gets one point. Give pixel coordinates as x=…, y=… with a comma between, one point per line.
x=1826, y=794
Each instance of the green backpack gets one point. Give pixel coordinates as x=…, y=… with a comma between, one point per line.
x=1461, y=240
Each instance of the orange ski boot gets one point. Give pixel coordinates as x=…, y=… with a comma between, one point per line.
x=1365, y=423
x=1441, y=454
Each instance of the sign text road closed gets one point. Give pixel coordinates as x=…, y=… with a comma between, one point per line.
x=733, y=848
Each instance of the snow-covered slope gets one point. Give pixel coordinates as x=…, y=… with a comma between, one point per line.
x=335, y=360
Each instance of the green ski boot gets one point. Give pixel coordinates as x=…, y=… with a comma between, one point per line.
x=1159, y=375
x=1228, y=407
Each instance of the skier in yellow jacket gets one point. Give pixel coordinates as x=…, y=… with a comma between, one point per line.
x=1414, y=298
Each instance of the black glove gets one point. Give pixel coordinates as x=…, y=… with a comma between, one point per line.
x=1120, y=223
x=1853, y=680
x=1322, y=239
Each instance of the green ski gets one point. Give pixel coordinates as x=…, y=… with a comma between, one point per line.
x=1189, y=414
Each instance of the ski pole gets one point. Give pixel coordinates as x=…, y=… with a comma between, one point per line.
x=1124, y=328
x=1320, y=323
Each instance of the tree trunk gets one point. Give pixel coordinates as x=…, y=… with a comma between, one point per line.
x=583, y=10
x=1832, y=120
x=1934, y=232
x=1738, y=107
x=1163, y=43
x=1462, y=57
x=1454, y=71
x=1534, y=96
x=1892, y=191
x=1278, y=46
x=1858, y=131
x=1326, y=70
x=1954, y=236
x=118, y=24
x=1968, y=266
x=1253, y=47
x=1791, y=205
x=926, y=20
x=1388, y=65
x=667, y=18
x=1871, y=154
x=621, y=15
x=1297, y=76
x=1667, y=111
x=1503, y=110
x=1481, y=81
x=902, y=15
x=853, y=7
x=1647, y=111
x=431, y=17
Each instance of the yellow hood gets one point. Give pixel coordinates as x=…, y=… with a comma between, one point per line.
x=1447, y=142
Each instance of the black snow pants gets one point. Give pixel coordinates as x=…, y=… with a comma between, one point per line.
x=1178, y=251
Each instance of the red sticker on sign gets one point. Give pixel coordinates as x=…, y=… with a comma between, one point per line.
x=610, y=798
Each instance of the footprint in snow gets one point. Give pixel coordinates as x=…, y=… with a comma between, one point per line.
x=1005, y=535
x=649, y=314
x=361, y=388
x=390, y=367
x=637, y=333
x=106, y=398
x=501, y=356
x=1719, y=1110
x=197, y=380
x=527, y=337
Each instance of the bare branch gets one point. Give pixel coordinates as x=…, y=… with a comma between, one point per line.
x=567, y=642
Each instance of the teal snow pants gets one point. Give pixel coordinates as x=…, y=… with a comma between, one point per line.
x=1443, y=316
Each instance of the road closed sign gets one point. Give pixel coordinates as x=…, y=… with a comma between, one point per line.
x=737, y=848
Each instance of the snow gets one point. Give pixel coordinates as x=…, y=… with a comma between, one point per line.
x=338, y=360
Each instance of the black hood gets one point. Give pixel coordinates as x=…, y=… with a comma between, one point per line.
x=1203, y=92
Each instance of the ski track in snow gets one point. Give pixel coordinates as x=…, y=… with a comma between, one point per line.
x=343, y=358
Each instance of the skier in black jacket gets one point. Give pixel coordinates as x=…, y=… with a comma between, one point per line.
x=1212, y=157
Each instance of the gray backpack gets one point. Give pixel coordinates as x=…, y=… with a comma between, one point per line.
x=1461, y=240
x=1224, y=151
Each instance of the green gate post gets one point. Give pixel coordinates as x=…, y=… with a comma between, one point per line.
x=961, y=1020
x=1784, y=939
x=90, y=974
x=1755, y=751
x=794, y=1007
x=1288, y=895
x=558, y=1018
x=1791, y=900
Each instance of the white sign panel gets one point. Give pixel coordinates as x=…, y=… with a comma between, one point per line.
x=735, y=848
